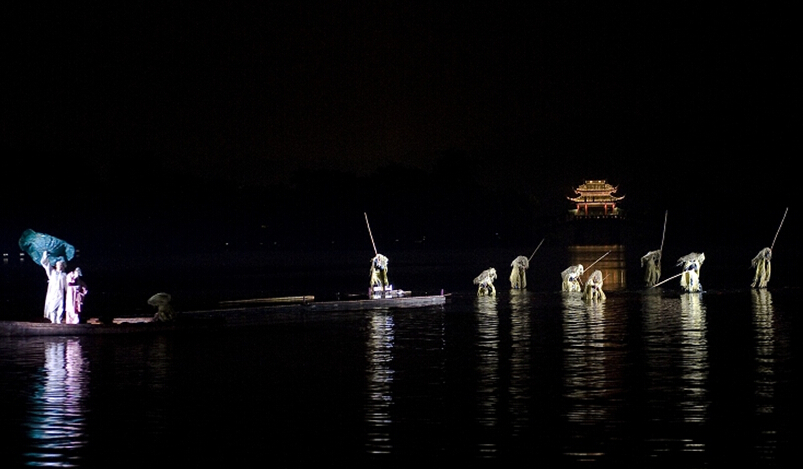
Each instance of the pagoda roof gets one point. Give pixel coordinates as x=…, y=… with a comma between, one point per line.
x=596, y=185
x=596, y=190
x=596, y=198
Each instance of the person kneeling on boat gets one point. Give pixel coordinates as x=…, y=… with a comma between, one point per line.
x=379, y=272
x=164, y=311
x=763, y=268
x=690, y=279
x=593, y=287
x=571, y=278
x=485, y=280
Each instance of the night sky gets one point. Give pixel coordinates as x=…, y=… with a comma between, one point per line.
x=298, y=117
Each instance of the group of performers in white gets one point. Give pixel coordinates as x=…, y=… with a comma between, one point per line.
x=65, y=292
x=690, y=269
x=592, y=289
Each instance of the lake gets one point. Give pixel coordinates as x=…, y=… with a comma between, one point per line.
x=647, y=378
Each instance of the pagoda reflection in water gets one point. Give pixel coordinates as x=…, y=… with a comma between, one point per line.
x=612, y=265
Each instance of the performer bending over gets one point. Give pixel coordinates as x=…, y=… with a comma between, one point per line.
x=653, y=262
x=593, y=288
x=485, y=280
x=164, y=310
x=763, y=268
x=690, y=280
x=571, y=278
x=379, y=272
x=518, y=276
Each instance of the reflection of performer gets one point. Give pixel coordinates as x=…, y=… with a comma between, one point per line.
x=763, y=268
x=762, y=301
x=76, y=290
x=593, y=288
x=518, y=276
x=56, y=289
x=485, y=280
x=690, y=279
x=379, y=271
x=571, y=278
x=652, y=260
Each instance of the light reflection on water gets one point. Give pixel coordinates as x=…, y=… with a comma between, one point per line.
x=487, y=347
x=770, y=347
x=591, y=358
x=695, y=366
x=764, y=326
x=677, y=359
x=520, y=374
x=608, y=259
x=378, y=418
x=57, y=418
x=519, y=390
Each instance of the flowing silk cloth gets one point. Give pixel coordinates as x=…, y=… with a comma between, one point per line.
x=35, y=244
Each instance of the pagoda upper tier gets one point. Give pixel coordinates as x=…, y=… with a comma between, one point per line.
x=596, y=198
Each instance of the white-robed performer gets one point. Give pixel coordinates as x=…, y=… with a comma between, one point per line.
x=74, y=302
x=571, y=278
x=56, y=289
x=652, y=261
x=593, y=287
x=518, y=275
x=690, y=278
x=379, y=272
x=485, y=280
x=763, y=268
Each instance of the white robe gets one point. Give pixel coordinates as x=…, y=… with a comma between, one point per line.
x=76, y=290
x=571, y=278
x=56, y=289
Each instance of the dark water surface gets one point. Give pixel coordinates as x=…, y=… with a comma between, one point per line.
x=658, y=379
x=649, y=378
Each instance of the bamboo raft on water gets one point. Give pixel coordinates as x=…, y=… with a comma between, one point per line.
x=236, y=313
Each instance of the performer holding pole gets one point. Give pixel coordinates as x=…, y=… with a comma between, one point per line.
x=570, y=278
x=379, y=266
x=518, y=274
x=690, y=278
x=762, y=261
x=652, y=260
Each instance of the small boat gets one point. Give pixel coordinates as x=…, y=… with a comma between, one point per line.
x=94, y=327
x=395, y=300
x=238, y=313
x=262, y=310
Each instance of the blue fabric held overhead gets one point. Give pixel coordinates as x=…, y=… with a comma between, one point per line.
x=35, y=244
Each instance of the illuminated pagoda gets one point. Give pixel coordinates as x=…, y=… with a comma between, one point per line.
x=596, y=199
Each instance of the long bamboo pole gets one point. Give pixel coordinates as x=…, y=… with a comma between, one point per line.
x=666, y=280
x=663, y=235
x=369, y=233
x=600, y=258
x=779, y=228
x=586, y=269
x=536, y=249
